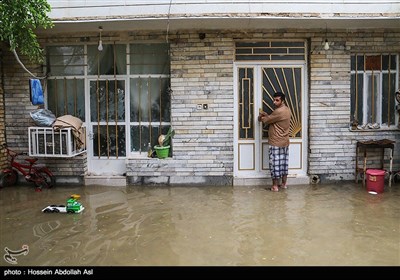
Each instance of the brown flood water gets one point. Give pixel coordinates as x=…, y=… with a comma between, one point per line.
x=337, y=224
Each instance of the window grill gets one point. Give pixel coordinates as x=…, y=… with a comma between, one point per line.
x=47, y=142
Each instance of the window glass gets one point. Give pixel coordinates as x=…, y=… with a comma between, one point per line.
x=150, y=99
x=149, y=134
x=109, y=141
x=269, y=50
x=110, y=61
x=66, y=97
x=149, y=59
x=149, y=94
x=389, y=83
x=107, y=99
x=65, y=60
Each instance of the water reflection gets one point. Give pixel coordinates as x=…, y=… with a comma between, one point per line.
x=338, y=224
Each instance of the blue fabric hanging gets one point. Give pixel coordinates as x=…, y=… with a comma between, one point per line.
x=36, y=92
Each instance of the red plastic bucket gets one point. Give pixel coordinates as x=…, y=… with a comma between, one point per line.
x=375, y=180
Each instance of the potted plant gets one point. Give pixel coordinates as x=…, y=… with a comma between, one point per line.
x=164, y=144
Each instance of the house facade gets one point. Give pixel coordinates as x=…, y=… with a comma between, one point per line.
x=130, y=70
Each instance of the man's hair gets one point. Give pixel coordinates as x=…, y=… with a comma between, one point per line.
x=280, y=94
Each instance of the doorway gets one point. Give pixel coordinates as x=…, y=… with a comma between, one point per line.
x=107, y=127
x=256, y=84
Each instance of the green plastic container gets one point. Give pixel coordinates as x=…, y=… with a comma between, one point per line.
x=162, y=151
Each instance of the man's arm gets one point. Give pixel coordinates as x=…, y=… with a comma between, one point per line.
x=270, y=118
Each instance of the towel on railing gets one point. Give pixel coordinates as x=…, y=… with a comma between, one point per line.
x=36, y=90
x=75, y=123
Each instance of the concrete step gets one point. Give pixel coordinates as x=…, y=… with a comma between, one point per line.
x=114, y=181
x=291, y=181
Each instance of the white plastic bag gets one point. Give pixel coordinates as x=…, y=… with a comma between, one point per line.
x=43, y=117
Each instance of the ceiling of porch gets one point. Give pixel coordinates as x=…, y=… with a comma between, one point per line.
x=208, y=23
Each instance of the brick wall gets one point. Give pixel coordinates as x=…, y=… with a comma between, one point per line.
x=3, y=159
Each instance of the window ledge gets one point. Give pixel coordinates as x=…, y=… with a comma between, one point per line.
x=374, y=129
x=142, y=157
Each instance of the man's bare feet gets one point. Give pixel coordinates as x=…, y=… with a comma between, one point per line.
x=275, y=189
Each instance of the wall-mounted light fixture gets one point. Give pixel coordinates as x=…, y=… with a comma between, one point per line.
x=100, y=46
x=326, y=44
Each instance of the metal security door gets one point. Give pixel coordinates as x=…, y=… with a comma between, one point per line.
x=256, y=85
x=107, y=127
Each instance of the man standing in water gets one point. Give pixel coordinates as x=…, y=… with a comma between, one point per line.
x=278, y=140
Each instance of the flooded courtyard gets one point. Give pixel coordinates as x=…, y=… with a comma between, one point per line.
x=338, y=224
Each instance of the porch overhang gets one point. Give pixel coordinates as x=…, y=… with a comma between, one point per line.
x=138, y=15
x=220, y=23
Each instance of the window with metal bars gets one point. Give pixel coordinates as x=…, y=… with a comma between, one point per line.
x=134, y=74
x=374, y=80
x=149, y=94
x=270, y=51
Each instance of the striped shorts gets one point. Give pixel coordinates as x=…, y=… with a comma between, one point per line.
x=278, y=161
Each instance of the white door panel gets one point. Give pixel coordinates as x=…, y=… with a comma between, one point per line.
x=246, y=162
